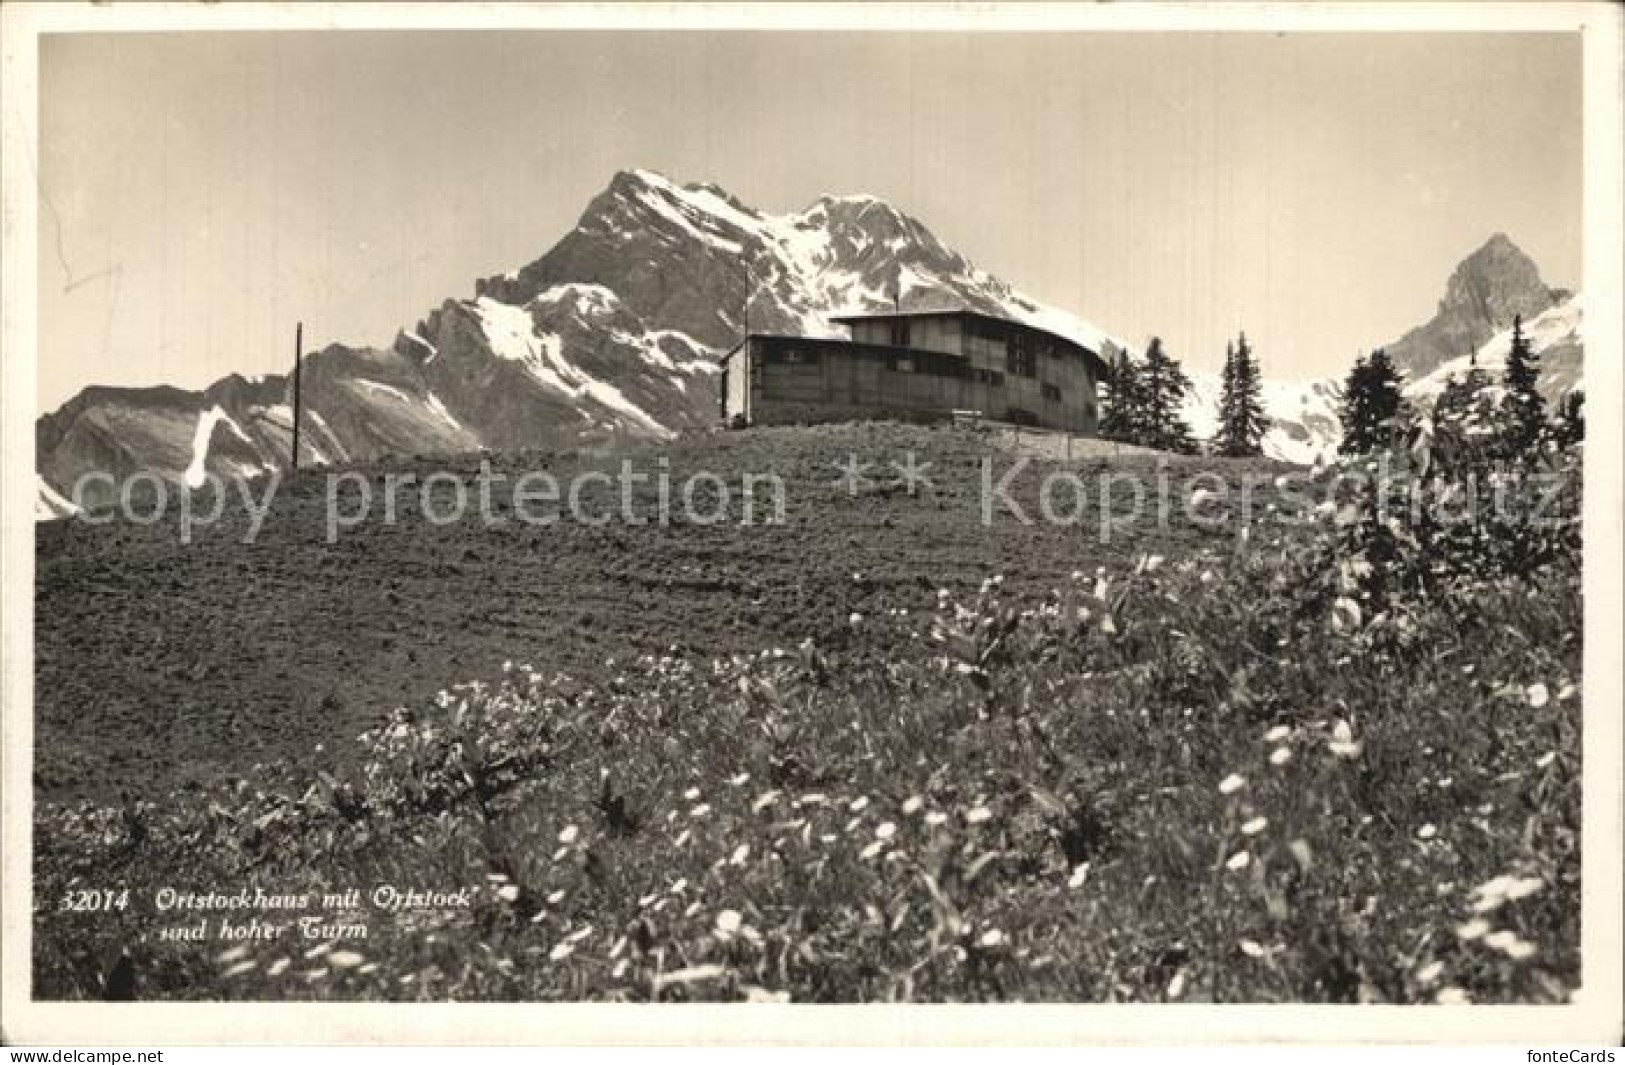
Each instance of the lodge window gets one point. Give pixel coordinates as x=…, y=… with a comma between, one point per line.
x=994, y=378
x=1051, y=392
x=901, y=365
x=899, y=335
x=1018, y=357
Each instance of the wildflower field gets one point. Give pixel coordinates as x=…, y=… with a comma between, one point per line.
x=1333, y=758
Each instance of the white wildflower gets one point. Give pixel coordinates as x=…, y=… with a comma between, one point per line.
x=1508, y=943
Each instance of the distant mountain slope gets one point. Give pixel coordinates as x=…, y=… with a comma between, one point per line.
x=1304, y=420
x=1555, y=335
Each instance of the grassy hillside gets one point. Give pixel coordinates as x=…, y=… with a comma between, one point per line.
x=880, y=752
x=161, y=663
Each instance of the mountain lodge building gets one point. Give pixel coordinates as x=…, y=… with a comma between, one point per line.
x=915, y=365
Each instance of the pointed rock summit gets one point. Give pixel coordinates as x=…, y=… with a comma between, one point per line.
x=1486, y=291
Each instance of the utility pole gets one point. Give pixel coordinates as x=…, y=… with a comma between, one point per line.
x=298, y=351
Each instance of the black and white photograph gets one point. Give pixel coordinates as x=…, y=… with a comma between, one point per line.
x=941, y=506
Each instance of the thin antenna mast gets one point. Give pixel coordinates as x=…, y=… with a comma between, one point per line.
x=298, y=350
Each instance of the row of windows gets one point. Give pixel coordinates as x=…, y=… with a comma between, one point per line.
x=928, y=363
x=912, y=364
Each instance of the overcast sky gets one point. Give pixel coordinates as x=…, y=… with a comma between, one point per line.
x=202, y=192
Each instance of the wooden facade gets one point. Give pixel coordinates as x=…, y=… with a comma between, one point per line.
x=919, y=365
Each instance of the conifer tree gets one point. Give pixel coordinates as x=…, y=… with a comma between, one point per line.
x=1521, y=404
x=1371, y=399
x=1164, y=387
x=1241, y=407
x=1356, y=409
x=1465, y=415
x=1124, y=417
x=1227, y=389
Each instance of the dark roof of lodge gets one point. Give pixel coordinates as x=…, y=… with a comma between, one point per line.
x=1099, y=364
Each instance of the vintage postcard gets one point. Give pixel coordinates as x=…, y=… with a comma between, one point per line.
x=994, y=523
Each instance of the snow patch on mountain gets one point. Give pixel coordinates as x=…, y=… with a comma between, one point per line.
x=438, y=409
x=278, y=414
x=589, y=302
x=512, y=334
x=319, y=422
x=430, y=348
x=49, y=504
x=201, y=436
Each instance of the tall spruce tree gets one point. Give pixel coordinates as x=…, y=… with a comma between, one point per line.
x=1355, y=413
x=1124, y=418
x=1522, y=405
x=1241, y=407
x=1371, y=399
x=1227, y=389
x=1165, y=386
